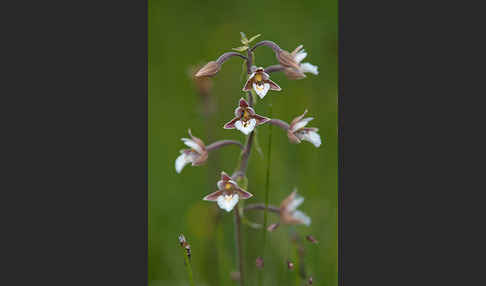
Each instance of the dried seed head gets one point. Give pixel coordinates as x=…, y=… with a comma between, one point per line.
x=273, y=227
x=309, y=282
x=185, y=245
x=210, y=69
x=259, y=262
x=188, y=250
x=290, y=265
x=311, y=239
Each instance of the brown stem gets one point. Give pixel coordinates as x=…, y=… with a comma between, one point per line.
x=274, y=68
x=249, y=61
x=224, y=57
x=245, y=155
x=250, y=99
x=262, y=207
x=221, y=143
x=280, y=123
x=276, y=49
x=241, y=171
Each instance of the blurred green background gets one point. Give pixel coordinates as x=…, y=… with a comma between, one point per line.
x=183, y=34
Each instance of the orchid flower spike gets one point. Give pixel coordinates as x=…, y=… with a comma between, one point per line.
x=197, y=154
x=298, y=54
x=228, y=193
x=289, y=213
x=297, y=131
x=245, y=118
x=261, y=83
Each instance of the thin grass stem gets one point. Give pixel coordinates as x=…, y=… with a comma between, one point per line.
x=239, y=243
x=267, y=191
x=188, y=268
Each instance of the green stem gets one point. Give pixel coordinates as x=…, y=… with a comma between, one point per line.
x=222, y=260
x=238, y=242
x=188, y=267
x=267, y=191
x=297, y=267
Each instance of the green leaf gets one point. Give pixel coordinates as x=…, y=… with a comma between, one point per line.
x=241, y=49
x=253, y=38
x=244, y=40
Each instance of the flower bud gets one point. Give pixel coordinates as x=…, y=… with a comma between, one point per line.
x=182, y=239
x=203, y=84
x=210, y=69
x=259, y=262
x=287, y=60
x=309, y=282
x=311, y=239
x=290, y=265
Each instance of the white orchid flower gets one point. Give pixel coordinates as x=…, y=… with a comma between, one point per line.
x=298, y=132
x=289, y=213
x=260, y=82
x=228, y=193
x=245, y=118
x=197, y=154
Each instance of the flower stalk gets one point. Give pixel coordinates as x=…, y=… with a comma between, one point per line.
x=224, y=57
x=271, y=208
x=241, y=172
x=218, y=144
x=274, y=68
x=189, y=270
x=280, y=123
x=270, y=44
x=245, y=155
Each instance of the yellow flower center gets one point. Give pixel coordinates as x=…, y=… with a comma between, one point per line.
x=258, y=77
x=227, y=186
x=246, y=115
